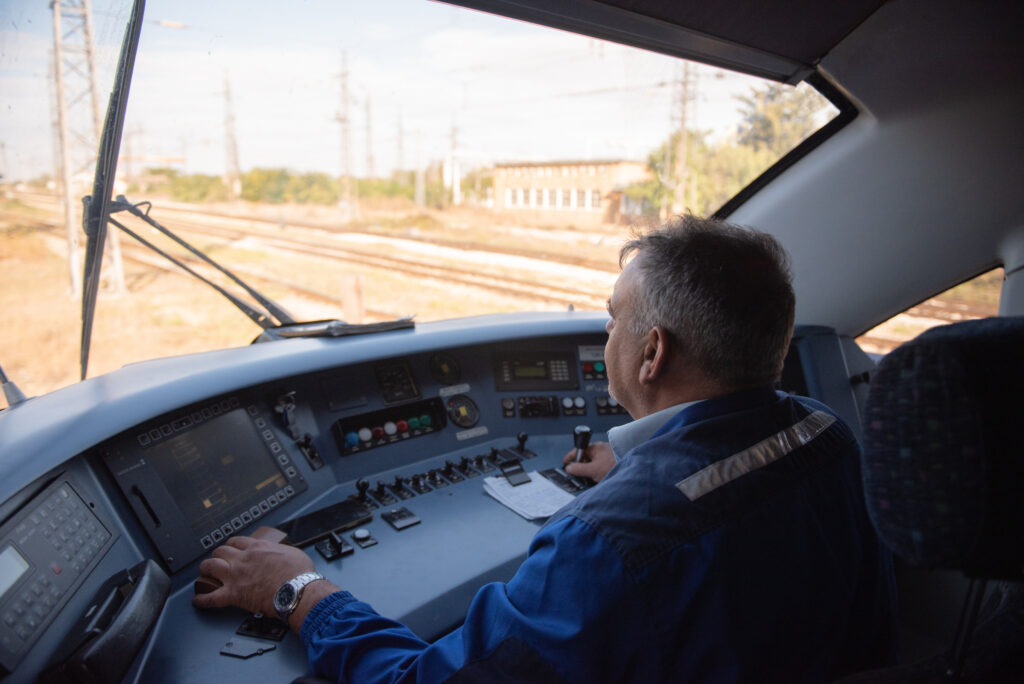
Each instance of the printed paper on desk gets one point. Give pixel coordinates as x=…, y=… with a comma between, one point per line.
x=538, y=498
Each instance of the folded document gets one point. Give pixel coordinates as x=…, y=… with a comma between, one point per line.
x=538, y=498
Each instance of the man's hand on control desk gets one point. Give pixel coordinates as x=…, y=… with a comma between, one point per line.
x=252, y=570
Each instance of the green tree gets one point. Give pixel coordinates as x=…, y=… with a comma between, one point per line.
x=312, y=188
x=400, y=184
x=265, y=185
x=478, y=185
x=198, y=187
x=777, y=118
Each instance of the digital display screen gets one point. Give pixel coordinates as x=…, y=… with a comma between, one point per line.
x=12, y=567
x=217, y=470
x=531, y=372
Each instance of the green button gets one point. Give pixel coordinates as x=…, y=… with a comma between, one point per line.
x=599, y=367
x=425, y=420
x=414, y=423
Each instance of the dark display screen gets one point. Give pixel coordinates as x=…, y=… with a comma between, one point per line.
x=539, y=370
x=216, y=470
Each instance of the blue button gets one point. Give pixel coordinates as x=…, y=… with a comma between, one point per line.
x=351, y=439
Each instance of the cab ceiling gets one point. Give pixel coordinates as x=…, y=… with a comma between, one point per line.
x=782, y=41
x=801, y=30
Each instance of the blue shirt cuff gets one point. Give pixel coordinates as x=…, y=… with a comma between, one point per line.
x=321, y=612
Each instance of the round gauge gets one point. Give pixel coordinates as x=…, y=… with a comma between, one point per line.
x=462, y=411
x=445, y=369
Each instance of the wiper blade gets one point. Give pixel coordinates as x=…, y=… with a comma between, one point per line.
x=333, y=328
x=97, y=208
x=274, y=316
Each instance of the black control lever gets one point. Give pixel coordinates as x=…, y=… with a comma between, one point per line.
x=285, y=407
x=581, y=440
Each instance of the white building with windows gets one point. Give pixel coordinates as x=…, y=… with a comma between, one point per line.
x=578, y=192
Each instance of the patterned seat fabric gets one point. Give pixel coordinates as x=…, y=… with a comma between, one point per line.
x=943, y=462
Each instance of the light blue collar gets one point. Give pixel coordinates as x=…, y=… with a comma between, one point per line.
x=624, y=438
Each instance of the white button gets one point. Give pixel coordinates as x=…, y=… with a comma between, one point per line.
x=365, y=435
x=390, y=428
x=612, y=401
x=579, y=402
x=567, y=402
x=362, y=534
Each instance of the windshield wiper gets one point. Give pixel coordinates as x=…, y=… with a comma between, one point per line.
x=97, y=207
x=333, y=328
x=276, y=322
x=274, y=314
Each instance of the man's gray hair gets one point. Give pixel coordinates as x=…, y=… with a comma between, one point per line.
x=722, y=292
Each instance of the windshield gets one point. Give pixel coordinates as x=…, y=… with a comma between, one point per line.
x=361, y=161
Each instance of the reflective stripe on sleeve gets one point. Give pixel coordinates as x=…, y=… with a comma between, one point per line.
x=765, y=452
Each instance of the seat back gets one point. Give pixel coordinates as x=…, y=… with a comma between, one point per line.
x=944, y=449
x=943, y=469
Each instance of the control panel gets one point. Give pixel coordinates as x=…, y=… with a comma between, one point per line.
x=204, y=475
x=46, y=550
x=388, y=426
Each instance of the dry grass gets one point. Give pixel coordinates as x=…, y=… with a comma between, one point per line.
x=167, y=313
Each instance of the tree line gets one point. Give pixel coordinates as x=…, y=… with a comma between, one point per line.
x=774, y=119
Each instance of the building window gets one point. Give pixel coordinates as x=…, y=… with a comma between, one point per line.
x=524, y=197
x=595, y=199
x=510, y=197
x=552, y=198
x=581, y=199
x=538, y=198
x=566, y=198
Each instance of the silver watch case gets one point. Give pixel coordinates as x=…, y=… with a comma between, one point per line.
x=289, y=594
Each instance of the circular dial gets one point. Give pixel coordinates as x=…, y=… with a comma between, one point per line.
x=445, y=369
x=462, y=411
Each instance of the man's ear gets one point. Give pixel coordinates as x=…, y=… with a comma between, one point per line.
x=655, y=355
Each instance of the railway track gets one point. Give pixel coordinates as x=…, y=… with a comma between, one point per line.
x=276, y=225
x=267, y=234
x=503, y=284
x=270, y=240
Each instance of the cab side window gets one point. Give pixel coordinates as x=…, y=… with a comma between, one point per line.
x=975, y=298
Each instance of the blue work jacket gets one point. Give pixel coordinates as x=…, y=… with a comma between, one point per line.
x=731, y=546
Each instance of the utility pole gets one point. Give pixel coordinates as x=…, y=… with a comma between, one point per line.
x=232, y=171
x=342, y=117
x=369, y=141
x=78, y=121
x=453, y=167
x=420, y=191
x=678, y=162
x=400, y=152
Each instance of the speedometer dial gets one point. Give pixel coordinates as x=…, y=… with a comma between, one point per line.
x=462, y=411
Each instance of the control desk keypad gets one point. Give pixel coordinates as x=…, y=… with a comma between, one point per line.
x=58, y=538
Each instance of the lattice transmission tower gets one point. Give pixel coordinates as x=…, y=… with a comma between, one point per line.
x=78, y=123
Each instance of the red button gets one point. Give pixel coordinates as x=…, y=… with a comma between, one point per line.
x=378, y=432
x=402, y=426
x=588, y=367
x=56, y=568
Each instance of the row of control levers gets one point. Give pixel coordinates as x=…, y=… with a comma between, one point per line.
x=403, y=488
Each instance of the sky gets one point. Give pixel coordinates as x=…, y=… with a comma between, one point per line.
x=426, y=81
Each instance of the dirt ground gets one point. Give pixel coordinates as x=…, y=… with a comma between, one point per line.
x=166, y=313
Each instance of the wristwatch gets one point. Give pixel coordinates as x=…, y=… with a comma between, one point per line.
x=288, y=596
